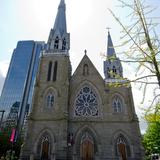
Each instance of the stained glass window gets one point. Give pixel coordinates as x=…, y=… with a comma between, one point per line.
x=86, y=103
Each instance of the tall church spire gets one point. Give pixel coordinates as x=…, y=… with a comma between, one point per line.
x=60, y=22
x=59, y=39
x=110, y=47
x=112, y=65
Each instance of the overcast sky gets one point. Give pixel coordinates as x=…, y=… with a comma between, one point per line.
x=87, y=21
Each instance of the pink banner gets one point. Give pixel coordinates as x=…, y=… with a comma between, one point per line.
x=12, y=135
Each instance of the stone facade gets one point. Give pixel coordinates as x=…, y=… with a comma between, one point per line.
x=79, y=116
x=64, y=129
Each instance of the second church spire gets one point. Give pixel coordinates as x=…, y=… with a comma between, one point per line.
x=112, y=66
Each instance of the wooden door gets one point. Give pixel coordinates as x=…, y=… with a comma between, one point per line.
x=122, y=151
x=45, y=150
x=87, y=150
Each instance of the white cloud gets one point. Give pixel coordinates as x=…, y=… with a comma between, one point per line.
x=4, y=67
x=3, y=72
x=1, y=82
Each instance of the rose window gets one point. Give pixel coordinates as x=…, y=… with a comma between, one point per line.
x=86, y=103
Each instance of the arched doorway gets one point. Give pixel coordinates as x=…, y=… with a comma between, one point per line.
x=122, y=147
x=45, y=149
x=87, y=147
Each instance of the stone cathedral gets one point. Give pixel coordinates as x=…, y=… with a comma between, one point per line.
x=80, y=116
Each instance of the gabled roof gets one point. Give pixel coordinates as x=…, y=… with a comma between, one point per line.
x=92, y=69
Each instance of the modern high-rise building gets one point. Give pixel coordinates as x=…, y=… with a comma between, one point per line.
x=22, y=71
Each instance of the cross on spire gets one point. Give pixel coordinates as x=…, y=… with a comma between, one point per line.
x=108, y=28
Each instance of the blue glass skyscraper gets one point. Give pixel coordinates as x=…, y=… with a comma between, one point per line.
x=21, y=74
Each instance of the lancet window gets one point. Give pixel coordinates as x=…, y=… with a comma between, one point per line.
x=85, y=70
x=50, y=100
x=64, y=44
x=55, y=71
x=117, y=104
x=56, y=43
x=49, y=71
x=114, y=71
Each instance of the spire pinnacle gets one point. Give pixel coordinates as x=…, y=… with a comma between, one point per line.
x=60, y=22
x=110, y=47
x=59, y=39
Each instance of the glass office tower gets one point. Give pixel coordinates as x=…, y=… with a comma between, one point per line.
x=19, y=82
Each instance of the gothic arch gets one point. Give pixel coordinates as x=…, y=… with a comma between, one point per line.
x=84, y=83
x=47, y=89
x=119, y=95
x=120, y=137
x=116, y=133
x=47, y=94
x=121, y=99
x=79, y=136
x=45, y=134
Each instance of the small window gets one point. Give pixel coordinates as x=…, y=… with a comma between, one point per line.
x=56, y=43
x=49, y=71
x=117, y=105
x=64, y=44
x=114, y=71
x=85, y=70
x=50, y=100
x=108, y=72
